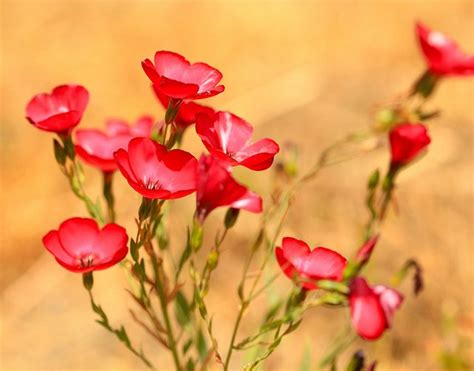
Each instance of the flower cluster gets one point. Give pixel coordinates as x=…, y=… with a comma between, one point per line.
x=149, y=156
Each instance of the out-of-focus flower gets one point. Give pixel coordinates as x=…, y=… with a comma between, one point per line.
x=372, y=308
x=365, y=251
x=187, y=110
x=79, y=245
x=60, y=111
x=97, y=147
x=299, y=263
x=155, y=172
x=176, y=78
x=227, y=137
x=216, y=187
x=443, y=55
x=407, y=141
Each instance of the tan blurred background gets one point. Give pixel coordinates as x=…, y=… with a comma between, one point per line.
x=308, y=72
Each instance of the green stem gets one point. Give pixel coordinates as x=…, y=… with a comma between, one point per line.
x=120, y=333
x=108, y=195
x=164, y=308
x=243, y=306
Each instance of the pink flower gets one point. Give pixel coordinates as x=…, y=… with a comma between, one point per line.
x=227, y=137
x=187, y=111
x=216, y=188
x=176, y=78
x=60, y=111
x=372, y=308
x=406, y=142
x=79, y=245
x=443, y=55
x=299, y=263
x=155, y=172
x=97, y=147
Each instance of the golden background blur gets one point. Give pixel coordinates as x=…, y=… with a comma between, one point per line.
x=307, y=72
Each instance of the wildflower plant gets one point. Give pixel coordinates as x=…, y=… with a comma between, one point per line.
x=172, y=295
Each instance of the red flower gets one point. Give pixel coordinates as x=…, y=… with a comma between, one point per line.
x=59, y=111
x=407, y=141
x=216, y=187
x=227, y=137
x=372, y=308
x=155, y=172
x=80, y=246
x=298, y=262
x=443, y=55
x=176, y=78
x=187, y=111
x=97, y=147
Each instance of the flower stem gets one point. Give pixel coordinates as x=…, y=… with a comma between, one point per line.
x=108, y=195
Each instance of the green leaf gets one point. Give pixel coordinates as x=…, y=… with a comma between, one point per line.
x=201, y=345
x=182, y=309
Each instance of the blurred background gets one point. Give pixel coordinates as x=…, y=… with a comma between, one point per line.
x=308, y=72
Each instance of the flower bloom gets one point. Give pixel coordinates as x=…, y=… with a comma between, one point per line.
x=406, y=142
x=216, y=187
x=176, y=78
x=97, y=147
x=372, y=308
x=187, y=111
x=79, y=245
x=299, y=263
x=59, y=111
x=443, y=55
x=227, y=137
x=155, y=172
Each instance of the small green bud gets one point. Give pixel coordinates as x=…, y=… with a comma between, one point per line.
x=385, y=118
x=213, y=259
x=426, y=84
x=231, y=217
x=197, y=235
x=59, y=153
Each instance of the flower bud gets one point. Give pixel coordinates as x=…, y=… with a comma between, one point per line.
x=213, y=259
x=196, y=236
x=231, y=217
x=59, y=153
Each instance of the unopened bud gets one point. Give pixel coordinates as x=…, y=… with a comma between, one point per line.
x=231, y=217
x=196, y=236
x=59, y=153
x=213, y=259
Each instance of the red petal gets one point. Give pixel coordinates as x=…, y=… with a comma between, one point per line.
x=250, y=201
x=78, y=235
x=367, y=314
x=150, y=71
x=170, y=64
x=390, y=300
x=177, y=89
x=323, y=263
x=110, y=246
x=53, y=245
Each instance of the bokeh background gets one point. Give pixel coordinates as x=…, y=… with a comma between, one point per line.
x=308, y=72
